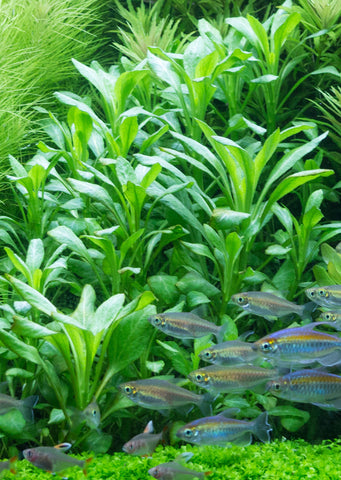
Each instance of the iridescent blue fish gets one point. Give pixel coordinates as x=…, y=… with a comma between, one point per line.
x=308, y=386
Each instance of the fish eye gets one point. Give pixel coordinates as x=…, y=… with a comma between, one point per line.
x=28, y=453
x=266, y=347
x=311, y=293
x=322, y=293
x=128, y=390
x=94, y=413
x=188, y=433
x=157, y=321
x=240, y=300
x=277, y=386
x=208, y=355
x=199, y=377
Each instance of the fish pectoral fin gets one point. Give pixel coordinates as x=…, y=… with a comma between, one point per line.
x=243, y=440
x=331, y=359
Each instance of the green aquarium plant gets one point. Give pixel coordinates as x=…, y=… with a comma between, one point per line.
x=73, y=357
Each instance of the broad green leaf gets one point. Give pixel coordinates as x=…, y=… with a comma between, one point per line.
x=164, y=288
x=178, y=356
x=26, y=328
x=125, y=172
x=19, y=264
x=20, y=348
x=207, y=65
x=12, y=423
x=35, y=254
x=129, y=339
x=330, y=255
x=151, y=175
x=72, y=100
x=85, y=311
x=128, y=130
x=92, y=190
x=65, y=235
x=193, y=281
x=282, y=33
x=233, y=245
x=107, y=313
x=31, y=295
x=225, y=219
x=284, y=216
x=155, y=366
x=196, y=298
x=124, y=85
x=261, y=34
x=243, y=26
x=277, y=250
x=265, y=79
x=17, y=167
x=163, y=68
x=195, y=52
x=199, y=249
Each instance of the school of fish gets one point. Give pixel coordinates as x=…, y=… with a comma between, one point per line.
x=289, y=363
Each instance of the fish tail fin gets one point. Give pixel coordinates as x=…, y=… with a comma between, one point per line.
x=27, y=407
x=205, y=404
x=12, y=464
x=86, y=463
x=221, y=332
x=307, y=310
x=262, y=428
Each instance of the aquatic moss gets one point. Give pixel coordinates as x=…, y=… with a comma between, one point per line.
x=286, y=460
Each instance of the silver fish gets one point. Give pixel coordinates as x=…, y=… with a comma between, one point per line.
x=308, y=386
x=329, y=296
x=145, y=443
x=186, y=325
x=25, y=406
x=300, y=345
x=162, y=395
x=223, y=379
x=220, y=429
x=268, y=305
x=232, y=352
x=53, y=459
x=175, y=471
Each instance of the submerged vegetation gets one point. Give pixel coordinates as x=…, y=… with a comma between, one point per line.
x=187, y=167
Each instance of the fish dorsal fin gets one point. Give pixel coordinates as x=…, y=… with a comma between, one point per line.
x=245, y=335
x=230, y=412
x=149, y=428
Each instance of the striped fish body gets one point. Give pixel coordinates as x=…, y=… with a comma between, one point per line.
x=161, y=395
x=308, y=386
x=185, y=325
x=300, y=345
x=268, y=305
x=223, y=379
x=232, y=352
x=329, y=296
x=219, y=430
